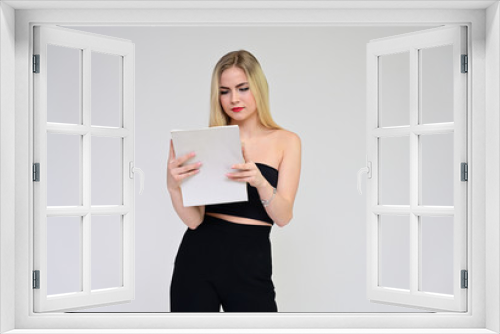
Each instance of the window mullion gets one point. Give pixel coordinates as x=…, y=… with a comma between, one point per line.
x=128, y=196
x=414, y=171
x=87, y=164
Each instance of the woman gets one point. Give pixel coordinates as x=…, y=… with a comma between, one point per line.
x=225, y=255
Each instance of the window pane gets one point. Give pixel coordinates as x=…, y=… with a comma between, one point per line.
x=436, y=84
x=63, y=169
x=63, y=84
x=106, y=171
x=394, y=89
x=63, y=255
x=106, y=89
x=394, y=251
x=437, y=169
x=106, y=252
x=437, y=254
x=394, y=171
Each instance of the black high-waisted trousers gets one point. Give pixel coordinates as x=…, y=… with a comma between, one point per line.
x=223, y=264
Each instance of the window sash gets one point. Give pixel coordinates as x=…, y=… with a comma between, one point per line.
x=87, y=43
x=412, y=43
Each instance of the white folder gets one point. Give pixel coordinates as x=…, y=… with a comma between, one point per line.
x=217, y=148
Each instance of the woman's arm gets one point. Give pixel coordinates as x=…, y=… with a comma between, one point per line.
x=191, y=216
x=280, y=209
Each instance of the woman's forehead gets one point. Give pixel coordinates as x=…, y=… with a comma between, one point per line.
x=233, y=75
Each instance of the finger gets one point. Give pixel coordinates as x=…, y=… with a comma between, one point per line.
x=241, y=174
x=245, y=166
x=184, y=158
x=188, y=168
x=242, y=179
x=183, y=176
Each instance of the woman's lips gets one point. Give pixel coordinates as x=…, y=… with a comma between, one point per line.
x=237, y=109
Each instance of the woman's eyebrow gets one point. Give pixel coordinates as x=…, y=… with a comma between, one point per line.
x=237, y=86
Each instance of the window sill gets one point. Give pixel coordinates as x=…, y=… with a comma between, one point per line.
x=256, y=331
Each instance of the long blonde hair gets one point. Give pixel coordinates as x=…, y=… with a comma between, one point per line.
x=256, y=80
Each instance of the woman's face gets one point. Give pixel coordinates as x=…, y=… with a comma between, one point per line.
x=236, y=99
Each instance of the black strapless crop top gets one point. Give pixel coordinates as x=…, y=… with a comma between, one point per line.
x=252, y=208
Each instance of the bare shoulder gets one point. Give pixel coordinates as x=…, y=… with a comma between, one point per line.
x=290, y=164
x=283, y=148
x=290, y=147
x=287, y=139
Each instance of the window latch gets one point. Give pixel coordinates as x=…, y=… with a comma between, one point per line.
x=133, y=170
x=367, y=170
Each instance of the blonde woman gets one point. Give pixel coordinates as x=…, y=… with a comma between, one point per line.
x=224, y=259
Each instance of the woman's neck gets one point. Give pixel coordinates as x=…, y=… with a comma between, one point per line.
x=250, y=128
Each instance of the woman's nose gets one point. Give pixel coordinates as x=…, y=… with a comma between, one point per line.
x=235, y=97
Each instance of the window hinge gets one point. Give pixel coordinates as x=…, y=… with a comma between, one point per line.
x=36, y=63
x=465, y=64
x=464, y=171
x=465, y=279
x=36, y=172
x=36, y=279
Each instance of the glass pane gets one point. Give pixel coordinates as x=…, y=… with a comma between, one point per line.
x=106, y=171
x=63, y=255
x=106, y=252
x=394, y=171
x=394, y=251
x=63, y=169
x=436, y=84
x=106, y=89
x=437, y=169
x=63, y=84
x=394, y=89
x=436, y=254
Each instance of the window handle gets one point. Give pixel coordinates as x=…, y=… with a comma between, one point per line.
x=367, y=170
x=133, y=170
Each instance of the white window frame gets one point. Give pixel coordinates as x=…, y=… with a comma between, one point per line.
x=412, y=44
x=86, y=43
x=483, y=20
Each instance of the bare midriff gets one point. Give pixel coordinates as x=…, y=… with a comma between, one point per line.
x=238, y=220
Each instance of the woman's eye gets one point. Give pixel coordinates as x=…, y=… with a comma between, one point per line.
x=244, y=89
x=222, y=92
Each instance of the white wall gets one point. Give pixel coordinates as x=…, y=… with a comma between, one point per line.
x=492, y=164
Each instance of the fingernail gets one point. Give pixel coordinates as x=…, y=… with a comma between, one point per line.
x=199, y=164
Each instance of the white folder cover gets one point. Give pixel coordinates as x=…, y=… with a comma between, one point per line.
x=217, y=148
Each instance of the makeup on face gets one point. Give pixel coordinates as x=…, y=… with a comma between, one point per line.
x=236, y=98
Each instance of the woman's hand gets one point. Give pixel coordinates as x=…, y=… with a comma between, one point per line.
x=248, y=172
x=176, y=172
